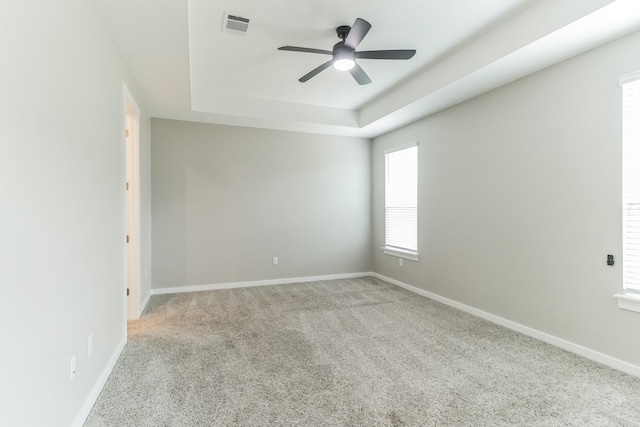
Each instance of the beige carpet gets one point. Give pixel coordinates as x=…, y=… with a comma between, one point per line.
x=357, y=352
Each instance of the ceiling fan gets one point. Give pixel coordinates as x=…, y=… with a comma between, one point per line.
x=344, y=53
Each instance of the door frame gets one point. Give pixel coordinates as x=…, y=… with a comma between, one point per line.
x=132, y=205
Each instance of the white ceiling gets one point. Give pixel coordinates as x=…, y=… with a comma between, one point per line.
x=187, y=68
x=251, y=66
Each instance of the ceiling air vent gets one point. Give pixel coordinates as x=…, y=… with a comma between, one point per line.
x=235, y=24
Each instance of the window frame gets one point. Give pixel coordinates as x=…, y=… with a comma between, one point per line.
x=405, y=253
x=629, y=299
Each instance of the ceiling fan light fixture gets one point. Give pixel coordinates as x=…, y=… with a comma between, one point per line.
x=344, y=58
x=344, y=64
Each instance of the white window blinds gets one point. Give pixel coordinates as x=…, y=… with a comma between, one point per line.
x=631, y=181
x=401, y=199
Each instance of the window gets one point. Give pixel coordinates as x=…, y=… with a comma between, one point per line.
x=630, y=298
x=401, y=202
x=631, y=181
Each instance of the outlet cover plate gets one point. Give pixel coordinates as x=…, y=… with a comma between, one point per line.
x=90, y=345
x=72, y=367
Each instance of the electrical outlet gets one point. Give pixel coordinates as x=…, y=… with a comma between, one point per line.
x=400, y=262
x=275, y=260
x=90, y=345
x=72, y=367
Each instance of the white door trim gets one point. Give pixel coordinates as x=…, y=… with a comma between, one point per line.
x=132, y=212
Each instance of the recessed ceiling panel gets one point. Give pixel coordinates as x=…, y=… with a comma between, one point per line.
x=250, y=66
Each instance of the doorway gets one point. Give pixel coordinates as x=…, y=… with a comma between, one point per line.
x=132, y=205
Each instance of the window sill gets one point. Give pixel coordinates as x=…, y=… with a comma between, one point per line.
x=628, y=301
x=410, y=255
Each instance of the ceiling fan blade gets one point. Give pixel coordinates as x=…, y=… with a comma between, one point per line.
x=386, y=54
x=305, y=49
x=361, y=77
x=358, y=30
x=315, y=71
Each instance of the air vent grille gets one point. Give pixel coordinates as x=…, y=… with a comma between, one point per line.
x=235, y=24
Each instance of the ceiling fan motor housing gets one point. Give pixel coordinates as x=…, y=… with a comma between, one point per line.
x=344, y=57
x=340, y=51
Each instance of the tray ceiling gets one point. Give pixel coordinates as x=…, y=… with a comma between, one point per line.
x=186, y=67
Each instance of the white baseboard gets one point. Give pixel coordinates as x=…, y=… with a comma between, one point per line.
x=534, y=333
x=97, y=388
x=232, y=285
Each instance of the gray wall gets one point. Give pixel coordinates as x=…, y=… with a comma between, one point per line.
x=228, y=199
x=520, y=201
x=62, y=214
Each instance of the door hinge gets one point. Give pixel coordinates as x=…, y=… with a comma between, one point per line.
x=127, y=186
x=127, y=291
x=127, y=238
x=126, y=133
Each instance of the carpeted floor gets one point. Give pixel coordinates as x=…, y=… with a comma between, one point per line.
x=357, y=352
